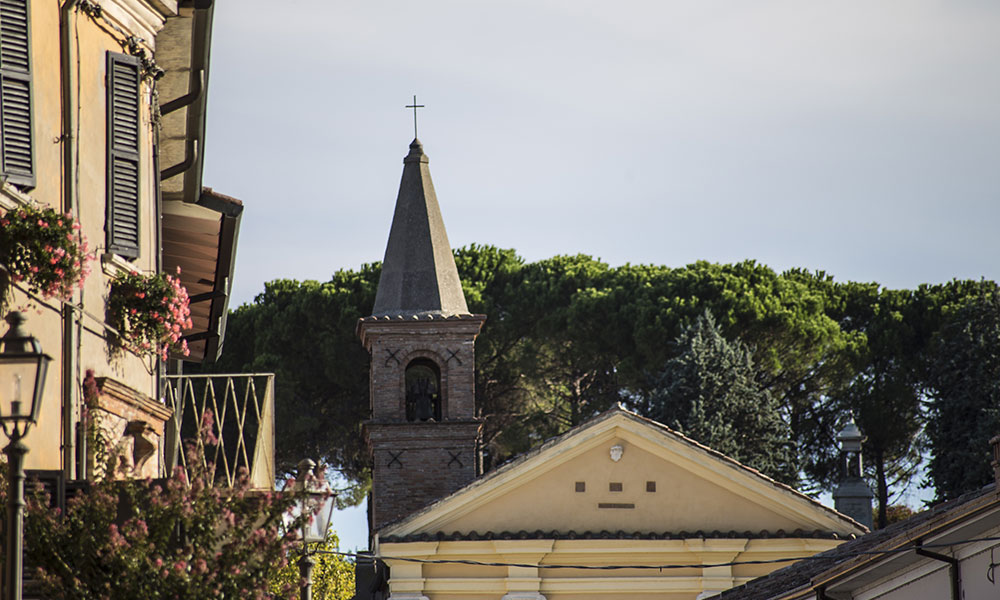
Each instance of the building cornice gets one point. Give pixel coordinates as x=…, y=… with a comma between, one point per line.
x=111, y=389
x=532, y=557
x=141, y=18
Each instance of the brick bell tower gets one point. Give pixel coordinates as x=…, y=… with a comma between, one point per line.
x=423, y=430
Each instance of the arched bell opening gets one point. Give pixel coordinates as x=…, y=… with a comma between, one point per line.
x=423, y=390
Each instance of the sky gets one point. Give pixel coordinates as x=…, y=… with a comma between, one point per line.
x=858, y=138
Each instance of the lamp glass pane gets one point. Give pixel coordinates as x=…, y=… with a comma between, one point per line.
x=322, y=511
x=17, y=387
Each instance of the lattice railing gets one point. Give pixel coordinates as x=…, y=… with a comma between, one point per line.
x=242, y=409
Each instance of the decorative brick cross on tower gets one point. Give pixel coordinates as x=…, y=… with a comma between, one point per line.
x=423, y=431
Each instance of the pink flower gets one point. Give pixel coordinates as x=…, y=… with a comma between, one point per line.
x=200, y=566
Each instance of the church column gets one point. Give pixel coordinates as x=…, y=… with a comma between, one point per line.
x=713, y=552
x=406, y=579
x=523, y=583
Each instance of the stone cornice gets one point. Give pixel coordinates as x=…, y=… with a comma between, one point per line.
x=114, y=390
x=461, y=580
x=416, y=324
x=11, y=197
x=741, y=536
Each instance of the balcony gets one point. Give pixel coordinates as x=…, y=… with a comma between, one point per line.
x=243, y=410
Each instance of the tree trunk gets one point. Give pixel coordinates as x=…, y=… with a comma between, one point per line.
x=883, y=489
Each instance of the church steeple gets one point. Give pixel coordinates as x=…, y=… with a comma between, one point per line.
x=419, y=276
x=423, y=433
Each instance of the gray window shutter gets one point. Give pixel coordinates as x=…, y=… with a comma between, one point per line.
x=123, y=154
x=18, y=150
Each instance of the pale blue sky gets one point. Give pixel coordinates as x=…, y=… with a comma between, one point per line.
x=861, y=138
x=857, y=137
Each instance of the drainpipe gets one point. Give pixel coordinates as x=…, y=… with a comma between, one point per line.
x=190, y=155
x=198, y=82
x=953, y=571
x=71, y=333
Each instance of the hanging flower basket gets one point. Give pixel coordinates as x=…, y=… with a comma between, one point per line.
x=150, y=311
x=44, y=249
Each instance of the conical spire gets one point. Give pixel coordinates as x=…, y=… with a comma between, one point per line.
x=419, y=276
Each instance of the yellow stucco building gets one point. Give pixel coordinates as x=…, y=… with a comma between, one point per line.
x=618, y=507
x=103, y=117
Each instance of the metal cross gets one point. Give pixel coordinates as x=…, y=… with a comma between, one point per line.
x=415, y=106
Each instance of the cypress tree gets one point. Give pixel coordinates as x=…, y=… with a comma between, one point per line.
x=710, y=393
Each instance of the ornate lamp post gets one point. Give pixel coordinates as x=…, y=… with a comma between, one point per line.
x=317, y=506
x=22, y=379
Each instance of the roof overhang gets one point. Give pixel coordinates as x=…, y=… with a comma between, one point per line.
x=199, y=227
x=183, y=50
x=201, y=240
x=947, y=534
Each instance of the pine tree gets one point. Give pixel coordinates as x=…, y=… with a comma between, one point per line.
x=965, y=385
x=709, y=392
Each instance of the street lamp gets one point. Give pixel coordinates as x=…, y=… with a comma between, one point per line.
x=316, y=509
x=22, y=379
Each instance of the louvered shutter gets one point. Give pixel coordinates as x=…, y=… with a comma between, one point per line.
x=123, y=154
x=18, y=152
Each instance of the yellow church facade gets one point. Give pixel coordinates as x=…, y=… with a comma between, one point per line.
x=618, y=496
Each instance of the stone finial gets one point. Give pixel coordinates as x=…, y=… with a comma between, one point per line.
x=852, y=496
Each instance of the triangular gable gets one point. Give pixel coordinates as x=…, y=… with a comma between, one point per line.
x=663, y=482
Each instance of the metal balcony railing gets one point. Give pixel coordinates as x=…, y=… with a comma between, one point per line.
x=242, y=409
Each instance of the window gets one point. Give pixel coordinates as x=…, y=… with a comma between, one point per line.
x=123, y=154
x=615, y=486
x=650, y=486
x=423, y=391
x=18, y=152
x=581, y=486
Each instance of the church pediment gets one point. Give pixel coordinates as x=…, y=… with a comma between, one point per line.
x=622, y=473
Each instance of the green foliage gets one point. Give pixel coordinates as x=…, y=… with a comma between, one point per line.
x=165, y=539
x=884, y=392
x=332, y=576
x=569, y=336
x=964, y=375
x=304, y=332
x=710, y=392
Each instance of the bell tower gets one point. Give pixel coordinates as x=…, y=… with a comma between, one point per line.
x=423, y=430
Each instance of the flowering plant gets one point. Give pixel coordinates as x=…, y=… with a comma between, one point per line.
x=45, y=249
x=149, y=311
x=181, y=537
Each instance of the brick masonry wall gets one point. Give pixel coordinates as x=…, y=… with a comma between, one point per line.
x=416, y=463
